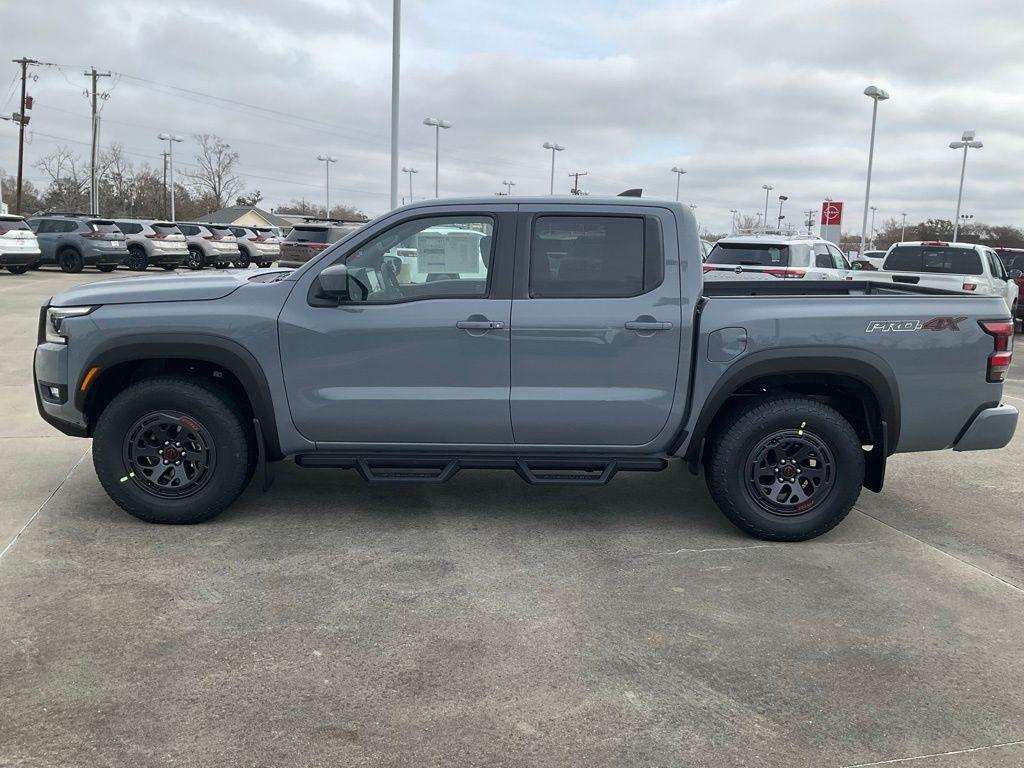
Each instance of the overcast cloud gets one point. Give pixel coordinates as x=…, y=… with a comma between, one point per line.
x=740, y=93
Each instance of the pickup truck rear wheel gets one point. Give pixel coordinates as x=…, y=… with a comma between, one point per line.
x=785, y=469
x=173, y=449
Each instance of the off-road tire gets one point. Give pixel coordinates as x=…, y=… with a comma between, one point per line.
x=70, y=260
x=215, y=413
x=730, y=471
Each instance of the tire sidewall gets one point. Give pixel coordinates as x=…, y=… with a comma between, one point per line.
x=749, y=430
x=222, y=425
x=137, y=259
x=194, y=260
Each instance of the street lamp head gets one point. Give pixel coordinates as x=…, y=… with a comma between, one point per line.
x=436, y=122
x=967, y=136
x=677, y=169
x=975, y=144
x=169, y=137
x=409, y=170
x=876, y=93
x=783, y=198
x=327, y=158
x=556, y=147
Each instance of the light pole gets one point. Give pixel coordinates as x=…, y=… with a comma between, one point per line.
x=876, y=95
x=679, y=176
x=732, y=228
x=327, y=160
x=396, y=46
x=782, y=199
x=966, y=142
x=410, y=171
x=508, y=187
x=554, y=148
x=903, y=228
x=873, y=209
x=171, y=140
x=438, y=125
x=767, y=191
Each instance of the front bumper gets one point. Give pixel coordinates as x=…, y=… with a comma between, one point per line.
x=50, y=369
x=990, y=428
x=19, y=258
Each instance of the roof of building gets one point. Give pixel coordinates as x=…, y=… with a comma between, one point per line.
x=233, y=213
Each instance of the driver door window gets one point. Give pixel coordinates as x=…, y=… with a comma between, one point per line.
x=838, y=257
x=430, y=258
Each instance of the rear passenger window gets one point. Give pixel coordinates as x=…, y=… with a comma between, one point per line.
x=592, y=257
x=822, y=258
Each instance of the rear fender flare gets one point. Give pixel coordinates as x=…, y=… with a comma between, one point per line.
x=865, y=367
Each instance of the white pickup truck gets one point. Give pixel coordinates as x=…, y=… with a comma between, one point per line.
x=950, y=266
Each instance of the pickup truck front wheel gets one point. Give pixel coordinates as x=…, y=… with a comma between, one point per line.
x=173, y=449
x=785, y=469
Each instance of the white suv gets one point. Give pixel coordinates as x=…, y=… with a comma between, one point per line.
x=952, y=266
x=767, y=256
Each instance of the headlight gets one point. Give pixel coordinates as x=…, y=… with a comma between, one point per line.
x=55, y=317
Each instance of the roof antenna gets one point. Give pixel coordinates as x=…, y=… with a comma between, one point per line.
x=635, y=192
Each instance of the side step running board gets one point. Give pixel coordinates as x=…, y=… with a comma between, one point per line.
x=536, y=470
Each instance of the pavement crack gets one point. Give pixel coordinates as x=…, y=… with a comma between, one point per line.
x=46, y=501
x=968, y=563
x=934, y=754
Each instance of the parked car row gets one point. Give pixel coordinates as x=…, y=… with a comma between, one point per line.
x=73, y=241
x=962, y=267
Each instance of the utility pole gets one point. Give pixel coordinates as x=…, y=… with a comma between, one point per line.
x=396, y=44
x=21, y=129
x=93, y=187
x=810, y=219
x=576, y=181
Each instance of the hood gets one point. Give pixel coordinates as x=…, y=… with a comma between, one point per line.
x=198, y=286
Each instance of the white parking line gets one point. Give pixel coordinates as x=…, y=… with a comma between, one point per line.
x=936, y=754
x=45, y=502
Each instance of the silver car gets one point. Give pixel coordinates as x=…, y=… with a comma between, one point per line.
x=256, y=245
x=209, y=244
x=73, y=241
x=19, y=249
x=153, y=242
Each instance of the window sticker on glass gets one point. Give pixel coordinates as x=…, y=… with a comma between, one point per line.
x=450, y=252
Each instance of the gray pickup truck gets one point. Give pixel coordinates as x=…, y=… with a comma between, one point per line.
x=564, y=339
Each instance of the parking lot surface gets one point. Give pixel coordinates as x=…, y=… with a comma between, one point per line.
x=487, y=622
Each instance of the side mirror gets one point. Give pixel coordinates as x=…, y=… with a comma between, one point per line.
x=334, y=281
x=1015, y=274
x=857, y=266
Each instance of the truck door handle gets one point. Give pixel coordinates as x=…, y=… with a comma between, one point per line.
x=480, y=325
x=643, y=325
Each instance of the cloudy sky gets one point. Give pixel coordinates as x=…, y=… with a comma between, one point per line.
x=738, y=92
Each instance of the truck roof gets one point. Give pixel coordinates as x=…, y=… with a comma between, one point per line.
x=548, y=200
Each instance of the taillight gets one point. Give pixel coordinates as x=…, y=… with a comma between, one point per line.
x=708, y=269
x=211, y=237
x=779, y=272
x=94, y=235
x=1002, y=355
x=157, y=236
x=969, y=287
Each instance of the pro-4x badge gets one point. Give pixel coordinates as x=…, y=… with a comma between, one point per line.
x=935, y=324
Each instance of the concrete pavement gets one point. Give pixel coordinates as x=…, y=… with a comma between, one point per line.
x=487, y=622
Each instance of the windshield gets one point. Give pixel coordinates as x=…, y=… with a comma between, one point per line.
x=934, y=259
x=749, y=254
x=1012, y=260
x=219, y=231
x=307, y=235
x=165, y=229
x=102, y=225
x=7, y=224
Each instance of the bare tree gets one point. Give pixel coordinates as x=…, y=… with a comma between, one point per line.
x=304, y=207
x=68, y=174
x=216, y=177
